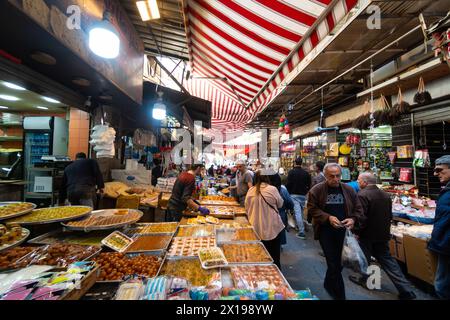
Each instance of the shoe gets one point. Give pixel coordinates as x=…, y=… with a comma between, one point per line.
x=301, y=235
x=321, y=254
x=407, y=296
x=358, y=280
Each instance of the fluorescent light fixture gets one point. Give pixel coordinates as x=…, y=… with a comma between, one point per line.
x=8, y=98
x=51, y=100
x=148, y=10
x=13, y=86
x=3, y=107
x=104, y=39
x=42, y=108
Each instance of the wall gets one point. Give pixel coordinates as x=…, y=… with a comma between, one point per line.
x=78, y=132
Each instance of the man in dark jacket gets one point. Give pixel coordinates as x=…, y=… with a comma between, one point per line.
x=375, y=233
x=298, y=185
x=81, y=180
x=334, y=207
x=440, y=238
x=157, y=171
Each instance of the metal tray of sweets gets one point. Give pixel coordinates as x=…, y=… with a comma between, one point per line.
x=25, y=235
x=231, y=263
x=148, y=253
x=16, y=214
x=105, y=227
x=75, y=217
x=176, y=256
x=203, y=226
x=63, y=236
x=130, y=229
x=228, y=281
x=152, y=235
x=221, y=234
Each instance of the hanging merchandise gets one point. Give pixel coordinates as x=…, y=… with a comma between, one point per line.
x=406, y=175
x=388, y=114
x=422, y=96
x=444, y=146
x=392, y=156
x=405, y=152
x=143, y=138
x=352, y=139
x=345, y=149
x=346, y=176
x=287, y=128
x=402, y=106
x=363, y=121
x=333, y=149
x=281, y=124
x=102, y=138
x=343, y=161
x=422, y=159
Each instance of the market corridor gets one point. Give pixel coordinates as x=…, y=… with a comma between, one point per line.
x=304, y=267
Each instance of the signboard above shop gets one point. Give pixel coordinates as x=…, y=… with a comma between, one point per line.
x=69, y=21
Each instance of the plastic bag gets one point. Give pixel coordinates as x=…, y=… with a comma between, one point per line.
x=352, y=255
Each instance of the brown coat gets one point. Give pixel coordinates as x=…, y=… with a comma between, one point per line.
x=317, y=198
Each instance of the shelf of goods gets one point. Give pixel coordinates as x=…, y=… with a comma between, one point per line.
x=165, y=256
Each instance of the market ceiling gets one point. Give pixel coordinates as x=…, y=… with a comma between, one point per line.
x=245, y=48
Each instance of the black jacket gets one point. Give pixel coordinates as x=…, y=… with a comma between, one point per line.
x=82, y=174
x=377, y=214
x=440, y=238
x=298, y=181
x=156, y=173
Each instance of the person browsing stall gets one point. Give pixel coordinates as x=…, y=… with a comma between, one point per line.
x=81, y=180
x=182, y=194
x=244, y=181
x=334, y=206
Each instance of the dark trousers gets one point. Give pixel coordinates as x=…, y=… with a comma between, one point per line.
x=274, y=248
x=332, y=240
x=442, y=281
x=380, y=251
x=82, y=195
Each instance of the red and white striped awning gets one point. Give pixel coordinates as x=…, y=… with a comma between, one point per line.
x=246, y=41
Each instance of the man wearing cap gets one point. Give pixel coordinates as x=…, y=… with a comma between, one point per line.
x=440, y=237
x=244, y=181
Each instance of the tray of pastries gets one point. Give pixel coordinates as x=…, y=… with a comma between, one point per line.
x=218, y=200
x=12, y=235
x=190, y=246
x=236, y=235
x=222, y=212
x=93, y=238
x=245, y=252
x=149, y=243
x=254, y=277
x=114, y=266
x=58, y=254
x=12, y=209
x=151, y=228
x=9, y=257
x=196, y=231
x=203, y=220
x=51, y=215
x=191, y=270
x=106, y=219
x=212, y=258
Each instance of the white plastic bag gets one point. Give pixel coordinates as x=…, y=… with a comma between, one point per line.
x=352, y=255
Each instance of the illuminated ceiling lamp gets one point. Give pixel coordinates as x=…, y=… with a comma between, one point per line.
x=148, y=10
x=159, y=109
x=104, y=39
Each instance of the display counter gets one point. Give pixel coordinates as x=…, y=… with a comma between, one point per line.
x=12, y=190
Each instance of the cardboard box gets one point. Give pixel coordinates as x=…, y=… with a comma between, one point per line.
x=420, y=262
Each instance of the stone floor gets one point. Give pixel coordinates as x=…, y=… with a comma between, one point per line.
x=304, y=267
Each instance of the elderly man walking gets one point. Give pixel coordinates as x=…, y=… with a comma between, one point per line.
x=440, y=238
x=334, y=207
x=375, y=233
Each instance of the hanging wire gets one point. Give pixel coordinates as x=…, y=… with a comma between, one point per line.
x=372, y=108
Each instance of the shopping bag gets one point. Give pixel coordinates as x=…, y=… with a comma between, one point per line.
x=352, y=255
x=291, y=220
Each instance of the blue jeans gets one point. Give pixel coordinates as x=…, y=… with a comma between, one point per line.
x=442, y=280
x=299, y=205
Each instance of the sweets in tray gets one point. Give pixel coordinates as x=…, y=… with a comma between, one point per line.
x=246, y=253
x=9, y=257
x=212, y=258
x=203, y=220
x=114, y=266
x=149, y=243
x=106, y=218
x=58, y=254
x=196, y=231
x=190, y=246
x=76, y=237
x=148, y=228
x=240, y=234
x=117, y=241
x=191, y=270
x=11, y=235
x=52, y=215
x=257, y=277
x=14, y=209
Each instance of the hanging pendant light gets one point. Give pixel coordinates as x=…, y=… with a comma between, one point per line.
x=104, y=39
x=159, y=109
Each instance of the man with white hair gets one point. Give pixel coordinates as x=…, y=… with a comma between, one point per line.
x=244, y=181
x=333, y=207
x=440, y=238
x=375, y=233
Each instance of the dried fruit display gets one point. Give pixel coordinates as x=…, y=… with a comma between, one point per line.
x=196, y=231
x=149, y=243
x=246, y=253
x=47, y=215
x=191, y=270
x=146, y=228
x=9, y=257
x=58, y=254
x=190, y=246
x=251, y=277
x=12, y=209
x=114, y=266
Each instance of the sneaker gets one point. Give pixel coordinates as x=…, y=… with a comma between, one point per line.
x=301, y=235
x=358, y=280
x=407, y=296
